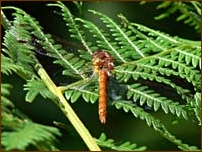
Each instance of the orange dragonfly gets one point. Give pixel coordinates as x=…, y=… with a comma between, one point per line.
x=103, y=65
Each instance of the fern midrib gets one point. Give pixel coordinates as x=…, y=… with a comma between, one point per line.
x=156, y=32
x=188, y=54
x=147, y=38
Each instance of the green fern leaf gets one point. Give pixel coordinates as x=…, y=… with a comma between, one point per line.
x=156, y=124
x=8, y=66
x=71, y=64
x=196, y=105
x=75, y=90
x=109, y=143
x=104, y=41
x=30, y=133
x=6, y=104
x=74, y=28
x=5, y=89
x=75, y=96
x=120, y=35
x=144, y=95
x=68, y=94
x=16, y=125
x=190, y=12
x=86, y=94
x=36, y=87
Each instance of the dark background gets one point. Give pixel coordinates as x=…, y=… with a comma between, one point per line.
x=120, y=126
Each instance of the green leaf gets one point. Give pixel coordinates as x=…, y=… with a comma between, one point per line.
x=75, y=96
x=31, y=95
x=102, y=137
x=68, y=94
x=8, y=65
x=110, y=143
x=156, y=106
x=86, y=96
x=36, y=87
x=31, y=133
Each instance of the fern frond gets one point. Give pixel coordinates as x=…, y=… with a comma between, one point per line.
x=45, y=40
x=160, y=37
x=5, y=102
x=19, y=52
x=126, y=146
x=5, y=22
x=5, y=89
x=8, y=66
x=141, y=93
x=149, y=72
x=103, y=41
x=74, y=62
x=196, y=105
x=16, y=125
x=188, y=54
x=73, y=27
x=75, y=90
x=185, y=71
x=29, y=133
x=152, y=122
x=153, y=41
x=190, y=12
x=35, y=87
x=123, y=37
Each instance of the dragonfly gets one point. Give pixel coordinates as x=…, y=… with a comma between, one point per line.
x=102, y=66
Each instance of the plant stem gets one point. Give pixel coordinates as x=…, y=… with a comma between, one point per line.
x=67, y=110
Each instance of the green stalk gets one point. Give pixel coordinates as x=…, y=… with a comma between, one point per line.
x=67, y=110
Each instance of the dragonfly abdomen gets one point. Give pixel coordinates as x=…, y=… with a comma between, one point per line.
x=102, y=95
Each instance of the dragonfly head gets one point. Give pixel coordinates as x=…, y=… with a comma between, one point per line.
x=102, y=60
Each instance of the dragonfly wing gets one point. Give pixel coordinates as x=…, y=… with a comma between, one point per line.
x=115, y=89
